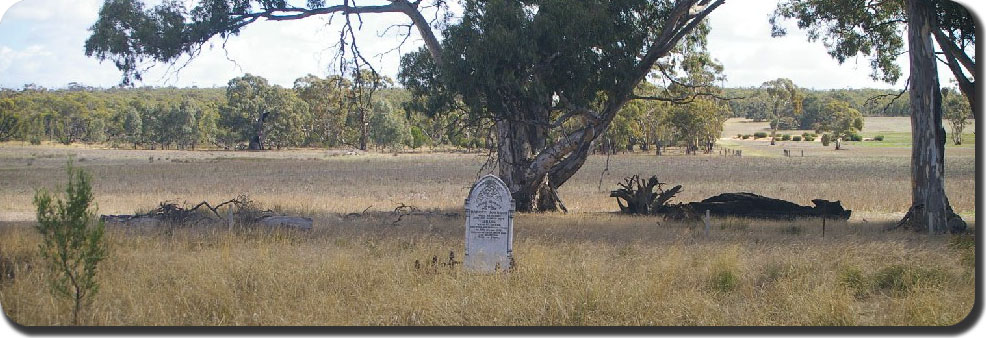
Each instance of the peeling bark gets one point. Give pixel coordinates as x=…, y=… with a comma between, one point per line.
x=930, y=209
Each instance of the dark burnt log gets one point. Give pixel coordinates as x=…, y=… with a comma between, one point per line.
x=756, y=206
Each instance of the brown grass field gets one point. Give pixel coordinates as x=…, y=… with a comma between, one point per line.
x=588, y=267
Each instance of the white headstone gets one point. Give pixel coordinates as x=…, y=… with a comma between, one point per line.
x=489, y=226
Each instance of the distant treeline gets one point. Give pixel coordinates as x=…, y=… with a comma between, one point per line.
x=323, y=112
x=248, y=113
x=869, y=102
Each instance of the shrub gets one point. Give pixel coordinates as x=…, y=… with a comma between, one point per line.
x=796, y=138
x=785, y=137
x=898, y=279
x=854, y=137
x=723, y=280
x=826, y=139
x=809, y=137
x=852, y=278
x=878, y=138
x=72, y=240
x=747, y=136
x=418, y=137
x=739, y=136
x=759, y=134
x=35, y=140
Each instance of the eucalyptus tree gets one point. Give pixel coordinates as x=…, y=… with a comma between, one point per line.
x=9, y=120
x=252, y=106
x=531, y=66
x=878, y=29
x=840, y=119
x=956, y=111
x=326, y=98
x=784, y=100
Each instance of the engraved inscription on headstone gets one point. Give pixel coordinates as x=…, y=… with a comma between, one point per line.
x=489, y=226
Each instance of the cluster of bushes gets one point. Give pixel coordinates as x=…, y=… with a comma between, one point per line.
x=809, y=137
x=894, y=280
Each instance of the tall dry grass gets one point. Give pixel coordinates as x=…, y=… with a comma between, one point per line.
x=581, y=270
x=586, y=267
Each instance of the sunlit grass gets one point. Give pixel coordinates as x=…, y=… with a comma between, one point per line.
x=588, y=267
x=581, y=270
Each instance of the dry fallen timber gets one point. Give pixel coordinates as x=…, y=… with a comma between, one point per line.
x=744, y=204
x=637, y=196
x=240, y=211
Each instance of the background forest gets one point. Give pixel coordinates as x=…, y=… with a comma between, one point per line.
x=328, y=112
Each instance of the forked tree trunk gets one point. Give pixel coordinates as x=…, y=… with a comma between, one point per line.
x=518, y=144
x=929, y=206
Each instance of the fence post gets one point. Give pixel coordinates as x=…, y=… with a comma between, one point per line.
x=229, y=218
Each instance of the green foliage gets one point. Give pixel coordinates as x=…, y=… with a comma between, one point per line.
x=261, y=114
x=796, y=138
x=388, y=129
x=747, y=136
x=696, y=123
x=759, y=134
x=956, y=110
x=784, y=103
x=418, y=138
x=809, y=136
x=899, y=279
x=9, y=120
x=843, y=121
x=723, y=280
x=72, y=239
x=853, y=279
x=786, y=137
x=848, y=29
x=878, y=138
x=826, y=139
x=328, y=100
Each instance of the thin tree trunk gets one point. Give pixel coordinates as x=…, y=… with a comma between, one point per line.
x=929, y=205
x=363, y=129
x=257, y=141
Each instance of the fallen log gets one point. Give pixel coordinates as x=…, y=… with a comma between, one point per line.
x=751, y=205
x=246, y=213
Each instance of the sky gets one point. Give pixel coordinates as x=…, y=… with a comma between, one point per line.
x=42, y=46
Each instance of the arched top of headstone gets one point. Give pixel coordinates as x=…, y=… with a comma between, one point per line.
x=490, y=193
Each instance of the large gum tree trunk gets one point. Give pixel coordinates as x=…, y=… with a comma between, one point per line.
x=929, y=210
x=517, y=146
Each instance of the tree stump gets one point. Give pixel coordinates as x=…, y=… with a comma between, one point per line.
x=637, y=197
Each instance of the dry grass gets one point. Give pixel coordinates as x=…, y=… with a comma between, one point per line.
x=315, y=181
x=589, y=267
x=580, y=270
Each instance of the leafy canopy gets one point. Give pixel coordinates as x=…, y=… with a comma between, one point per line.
x=507, y=57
